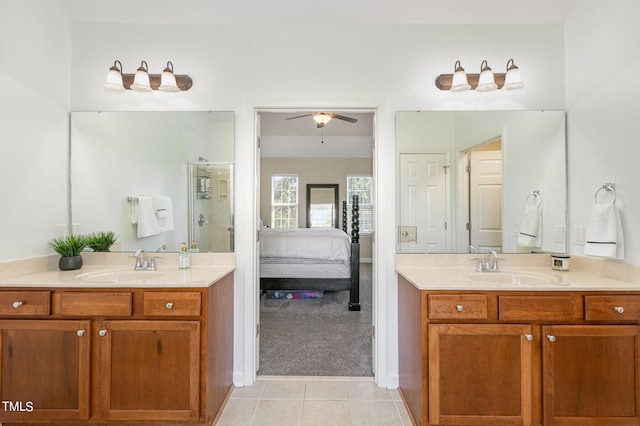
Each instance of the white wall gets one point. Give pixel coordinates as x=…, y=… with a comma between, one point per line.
x=385, y=67
x=35, y=64
x=603, y=112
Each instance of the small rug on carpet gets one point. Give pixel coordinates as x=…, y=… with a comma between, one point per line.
x=317, y=336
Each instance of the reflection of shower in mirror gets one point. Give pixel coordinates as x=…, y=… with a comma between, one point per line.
x=210, y=205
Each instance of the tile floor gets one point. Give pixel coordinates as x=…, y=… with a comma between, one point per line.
x=306, y=401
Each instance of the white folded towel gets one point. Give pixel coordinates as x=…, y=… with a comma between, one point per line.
x=164, y=212
x=604, y=234
x=529, y=235
x=147, y=220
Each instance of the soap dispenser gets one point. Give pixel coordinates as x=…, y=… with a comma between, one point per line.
x=184, y=257
x=194, y=248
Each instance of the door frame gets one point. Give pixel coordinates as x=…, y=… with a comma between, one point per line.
x=379, y=322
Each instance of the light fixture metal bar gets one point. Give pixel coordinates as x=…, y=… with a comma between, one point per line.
x=184, y=81
x=443, y=81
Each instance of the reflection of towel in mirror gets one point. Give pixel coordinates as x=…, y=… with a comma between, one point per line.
x=164, y=211
x=529, y=235
x=604, y=234
x=147, y=220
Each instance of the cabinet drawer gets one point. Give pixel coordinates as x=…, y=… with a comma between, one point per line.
x=457, y=306
x=612, y=308
x=25, y=303
x=537, y=308
x=111, y=304
x=171, y=303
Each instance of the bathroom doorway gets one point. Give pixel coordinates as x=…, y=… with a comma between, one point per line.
x=313, y=158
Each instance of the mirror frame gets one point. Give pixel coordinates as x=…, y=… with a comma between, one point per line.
x=310, y=187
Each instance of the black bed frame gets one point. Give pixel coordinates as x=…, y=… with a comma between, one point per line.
x=330, y=284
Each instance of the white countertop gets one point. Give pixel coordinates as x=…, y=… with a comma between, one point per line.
x=527, y=273
x=111, y=270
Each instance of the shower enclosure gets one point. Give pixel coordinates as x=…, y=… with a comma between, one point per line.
x=211, y=206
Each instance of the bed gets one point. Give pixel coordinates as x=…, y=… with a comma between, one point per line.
x=307, y=259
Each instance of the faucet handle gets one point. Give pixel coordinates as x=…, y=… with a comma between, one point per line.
x=481, y=264
x=152, y=263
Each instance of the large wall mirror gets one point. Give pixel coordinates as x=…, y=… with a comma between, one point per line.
x=481, y=180
x=154, y=178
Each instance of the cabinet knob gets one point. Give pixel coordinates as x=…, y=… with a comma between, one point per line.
x=169, y=305
x=619, y=309
x=16, y=305
x=459, y=308
x=80, y=333
x=529, y=337
x=102, y=332
x=551, y=337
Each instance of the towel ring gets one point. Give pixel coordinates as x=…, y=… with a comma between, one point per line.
x=607, y=187
x=536, y=196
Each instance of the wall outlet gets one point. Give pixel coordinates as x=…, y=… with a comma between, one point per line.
x=578, y=235
x=558, y=234
x=516, y=229
x=408, y=234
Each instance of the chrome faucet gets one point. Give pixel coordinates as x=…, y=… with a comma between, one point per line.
x=145, y=262
x=488, y=264
x=141, y=261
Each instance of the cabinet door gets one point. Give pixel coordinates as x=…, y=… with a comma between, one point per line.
x=480, y=374
x=44, y=371
x=150, y=370
x=590, y=374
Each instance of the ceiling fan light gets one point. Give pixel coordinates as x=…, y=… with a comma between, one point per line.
x=113, y=82
x=141, y=81
x=513, y=79
x=168, y=80
x=321, y=118
x=459, y=81
x=486, y=82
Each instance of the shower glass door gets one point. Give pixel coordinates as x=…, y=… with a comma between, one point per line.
x=211, y=206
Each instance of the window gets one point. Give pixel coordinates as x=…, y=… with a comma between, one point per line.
x=284, y=201
x=362, y=186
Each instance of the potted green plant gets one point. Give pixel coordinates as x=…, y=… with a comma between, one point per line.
x=101, y=241
x=69, y=248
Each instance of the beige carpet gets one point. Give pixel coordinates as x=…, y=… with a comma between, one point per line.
x=317, y=337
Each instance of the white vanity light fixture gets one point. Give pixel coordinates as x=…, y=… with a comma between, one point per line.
x=513, y=79
x=142, y=81
x=114, y=79
x=486, y=81
x=168, y=80
x=459, y=81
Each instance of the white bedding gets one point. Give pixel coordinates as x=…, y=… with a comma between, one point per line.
x=318, y=270
x=328, y=244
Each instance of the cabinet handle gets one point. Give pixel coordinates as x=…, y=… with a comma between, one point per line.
x=16, y=305
x=529, y=337
x=102, y=332
x=551, y=337
x=459, y=308
x=80, y=333
x=169, y=305
x=619, y=309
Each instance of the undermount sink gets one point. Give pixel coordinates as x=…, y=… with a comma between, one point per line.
x=514, y=277
x=114, y=276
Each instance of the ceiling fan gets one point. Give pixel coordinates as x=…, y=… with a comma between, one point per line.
x=322, y=118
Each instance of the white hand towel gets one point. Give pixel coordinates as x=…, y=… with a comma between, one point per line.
x=164, y=211
x=147, y=220
x=530, y=226
x=604, y=234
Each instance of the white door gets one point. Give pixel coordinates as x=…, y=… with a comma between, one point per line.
x=257, y=260
x=485, y=200
x=423, y=203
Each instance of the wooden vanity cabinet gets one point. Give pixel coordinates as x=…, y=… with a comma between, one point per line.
x=119, y=356
x=528, y=358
